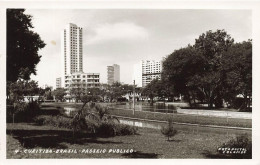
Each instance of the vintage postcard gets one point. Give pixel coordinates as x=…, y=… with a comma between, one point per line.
x=103, y=80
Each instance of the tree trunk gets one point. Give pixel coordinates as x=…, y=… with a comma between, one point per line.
x=151, y=100
x=194, y=100
x=189, y=100
x=13, y=119
x=210, y=103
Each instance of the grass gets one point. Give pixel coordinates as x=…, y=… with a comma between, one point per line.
x=149, y=143
x=182, y=118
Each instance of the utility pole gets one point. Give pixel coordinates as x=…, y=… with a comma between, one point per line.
x=134, y=99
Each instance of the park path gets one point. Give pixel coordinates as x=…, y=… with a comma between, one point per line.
x=229, y=114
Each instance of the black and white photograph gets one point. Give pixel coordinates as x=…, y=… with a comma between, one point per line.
x=128, y=83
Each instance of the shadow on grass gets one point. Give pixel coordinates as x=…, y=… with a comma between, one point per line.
x=54, y=138
x=216, y=155
x=140, y=155
x=172, y=140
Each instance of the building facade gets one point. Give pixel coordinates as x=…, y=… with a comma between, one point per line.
x=113, y=74
x=71, y=50
x=93, y=80
x=58, y=82
x=151, y=70
x=86, y=80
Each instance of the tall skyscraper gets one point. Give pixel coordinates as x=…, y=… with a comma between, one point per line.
x=71, y=50
x=113, y=74
x=150, y=71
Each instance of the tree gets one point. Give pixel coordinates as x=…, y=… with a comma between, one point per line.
x=169, y=131
x=117, y=90
x=212, y=46
x=152, y=89
x=79, y=118
x=179, y=70
x=17, y=91
x=77, y=89
x=195, y=71
x=22, y=46
x=237, y=66
x=59, y=93
x=48, y=94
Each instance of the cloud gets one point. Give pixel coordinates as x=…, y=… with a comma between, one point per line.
x=117, y=31
x=128, y=36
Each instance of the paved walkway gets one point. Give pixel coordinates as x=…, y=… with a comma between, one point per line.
x=229, y=114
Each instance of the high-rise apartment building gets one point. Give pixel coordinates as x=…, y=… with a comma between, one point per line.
x=113, y=74
x=71, y=50
x=150, y=70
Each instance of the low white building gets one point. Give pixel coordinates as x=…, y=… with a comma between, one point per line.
x=82, y=80
x=88, y=80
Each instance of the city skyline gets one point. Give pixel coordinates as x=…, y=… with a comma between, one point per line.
x=127, y=37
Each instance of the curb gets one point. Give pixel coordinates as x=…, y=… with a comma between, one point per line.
x=188, y=124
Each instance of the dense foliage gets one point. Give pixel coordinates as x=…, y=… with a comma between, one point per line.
x=213, y=70
x=22, y=46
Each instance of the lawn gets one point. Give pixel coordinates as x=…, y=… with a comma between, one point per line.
x=148, y=143
x=181, y=118
x=185, y=118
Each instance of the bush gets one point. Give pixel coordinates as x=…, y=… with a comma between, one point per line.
x=93, y=120
x=107, y=128
x=241, y=141
x=101, y=111
x=55, y=121
x=123, y=129
x=169, y=131
x=40, y=120
x=22, y=111
x=92, y=125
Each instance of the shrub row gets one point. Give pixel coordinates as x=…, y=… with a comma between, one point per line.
x=115, y=129
x=55, y=121
x=102, y=128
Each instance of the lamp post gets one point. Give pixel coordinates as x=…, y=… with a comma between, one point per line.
x=134, y=99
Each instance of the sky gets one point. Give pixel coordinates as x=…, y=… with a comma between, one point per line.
x=127, y=36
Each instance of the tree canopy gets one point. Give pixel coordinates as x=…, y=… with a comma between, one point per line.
x=22, y=46
x=237, y=66
x=17, y=90
x=210, y=68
